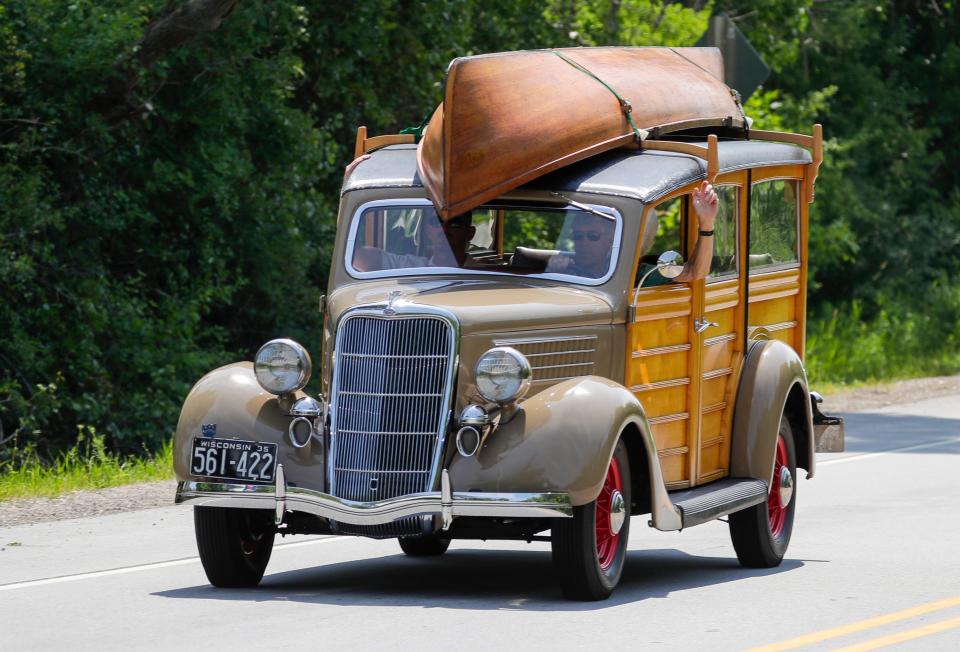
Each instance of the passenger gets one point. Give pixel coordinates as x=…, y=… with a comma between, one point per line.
x=444, y=242
x=705, y=204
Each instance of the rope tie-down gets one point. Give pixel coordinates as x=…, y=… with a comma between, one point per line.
x=625, y=106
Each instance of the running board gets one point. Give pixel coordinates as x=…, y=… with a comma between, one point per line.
x=706, y=503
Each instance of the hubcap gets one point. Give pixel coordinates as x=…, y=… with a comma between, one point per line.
x=610, y=516
x=781, y=490
x=786, y=486
x=618, y=512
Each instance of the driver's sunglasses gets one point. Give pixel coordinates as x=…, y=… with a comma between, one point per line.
x=592, y=236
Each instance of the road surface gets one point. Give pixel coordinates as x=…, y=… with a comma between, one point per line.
x=874, y=562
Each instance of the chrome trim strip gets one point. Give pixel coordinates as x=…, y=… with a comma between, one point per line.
x=392, y=357
x=572, y=352
x=716, y=407
x=418, y=203
x=780, y=326
x=661, y=350
x=544, y=340
x=661, y=384
x=719, y=339
x=564, y=366
x=670, y=452
x=717, y=373
x=667, y=418
x=520, y=505
x=280, y=496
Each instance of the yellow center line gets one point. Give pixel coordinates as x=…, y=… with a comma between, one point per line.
x=900, y=637
x=859, y=626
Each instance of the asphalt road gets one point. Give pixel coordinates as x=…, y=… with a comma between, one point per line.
x=874, y=561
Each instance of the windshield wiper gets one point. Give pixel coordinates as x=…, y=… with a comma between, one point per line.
x=584, y=207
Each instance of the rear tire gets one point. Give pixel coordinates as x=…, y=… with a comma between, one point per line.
x=588, y=556
x=761, y=533
x=426, y=545
x=234, y=544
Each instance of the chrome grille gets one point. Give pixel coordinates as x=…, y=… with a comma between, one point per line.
x=391, y=393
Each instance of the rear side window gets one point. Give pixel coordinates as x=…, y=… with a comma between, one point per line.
x=724, y=261
x=774, y=211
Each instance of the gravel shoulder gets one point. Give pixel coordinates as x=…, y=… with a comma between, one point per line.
x=80, y=504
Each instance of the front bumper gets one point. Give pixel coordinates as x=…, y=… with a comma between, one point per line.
x=280, y=498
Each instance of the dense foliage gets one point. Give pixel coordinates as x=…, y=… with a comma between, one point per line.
x=160, y=218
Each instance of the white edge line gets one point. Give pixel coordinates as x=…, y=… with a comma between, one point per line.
x=142, y=567
x=857, y=458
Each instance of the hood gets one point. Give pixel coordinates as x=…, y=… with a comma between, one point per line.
x=485, y=306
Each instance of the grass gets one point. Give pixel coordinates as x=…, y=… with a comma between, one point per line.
x=85, y=466
x=847, y=349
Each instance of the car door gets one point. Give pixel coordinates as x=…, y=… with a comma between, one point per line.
x=685, y=341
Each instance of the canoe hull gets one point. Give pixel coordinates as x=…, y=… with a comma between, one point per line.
x=509, y=118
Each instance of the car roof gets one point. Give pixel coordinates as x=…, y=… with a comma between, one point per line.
x=642, y=175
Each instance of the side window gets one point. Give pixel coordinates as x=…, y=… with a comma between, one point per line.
x=773, y=224
x=724, y=260
x=669, y=218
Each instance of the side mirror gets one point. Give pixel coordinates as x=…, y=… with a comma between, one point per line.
x=670, y=264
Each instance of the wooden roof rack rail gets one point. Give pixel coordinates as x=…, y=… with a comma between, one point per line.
x=814, y=143
x=365, y=144
x=709, y=153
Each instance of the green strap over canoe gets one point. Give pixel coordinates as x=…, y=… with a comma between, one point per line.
x=418, y=130
x=625, y=105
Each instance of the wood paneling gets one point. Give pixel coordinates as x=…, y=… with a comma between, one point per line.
x=658, y=372
x=775, y=299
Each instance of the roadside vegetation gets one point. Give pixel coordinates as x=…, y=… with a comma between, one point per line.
x=155, y=191
x=85, y=465
x=845, y=347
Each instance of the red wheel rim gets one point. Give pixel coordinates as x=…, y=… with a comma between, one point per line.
x=607, y=541
x=776, y=511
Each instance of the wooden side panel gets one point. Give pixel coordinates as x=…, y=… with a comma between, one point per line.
x=774, y=299
x=658, y=371
x=721, y=354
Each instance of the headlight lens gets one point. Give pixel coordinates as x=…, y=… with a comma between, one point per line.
x=502, y=375
x=282, y=366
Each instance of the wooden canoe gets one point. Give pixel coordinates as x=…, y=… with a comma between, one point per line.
x=511, y=117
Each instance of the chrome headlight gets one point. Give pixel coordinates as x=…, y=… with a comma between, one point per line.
x=282, y=366
x=502, y=375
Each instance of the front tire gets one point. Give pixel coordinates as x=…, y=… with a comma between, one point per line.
x=590, y=549
x=761, y=533
x=234, y=544
x=426, y=545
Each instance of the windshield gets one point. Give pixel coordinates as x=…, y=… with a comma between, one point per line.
x=390, y=239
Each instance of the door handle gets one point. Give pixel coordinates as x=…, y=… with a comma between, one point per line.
x=701, y=326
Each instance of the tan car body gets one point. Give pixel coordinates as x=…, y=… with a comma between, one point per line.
x=561, y=437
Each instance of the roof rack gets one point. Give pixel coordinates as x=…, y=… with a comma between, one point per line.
x=814, y=143
x=365, y=144
x=710, y=154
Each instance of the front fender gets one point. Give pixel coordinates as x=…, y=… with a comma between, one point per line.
x=773, y=383
x=562, y=440
x=231, y=398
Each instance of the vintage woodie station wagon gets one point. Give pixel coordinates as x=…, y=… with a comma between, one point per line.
x=505, y=356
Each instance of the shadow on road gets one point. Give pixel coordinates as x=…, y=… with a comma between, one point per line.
x=868, y=432
x=481, y=579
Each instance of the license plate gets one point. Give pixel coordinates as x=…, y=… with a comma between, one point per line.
x=233, y=459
